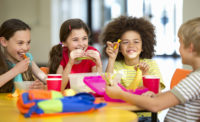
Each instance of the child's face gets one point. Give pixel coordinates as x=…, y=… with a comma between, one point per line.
x=131, y=45
x=17, y=45
x=78, y=39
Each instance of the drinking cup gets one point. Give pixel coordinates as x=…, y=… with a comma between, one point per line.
x=152, y=83
x=54, y=84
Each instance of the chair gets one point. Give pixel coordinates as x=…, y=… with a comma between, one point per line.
x=45, y=69
x=179, y=74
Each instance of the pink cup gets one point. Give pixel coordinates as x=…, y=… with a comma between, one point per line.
x=152, y=83
x=54, y=76
x=54, y=84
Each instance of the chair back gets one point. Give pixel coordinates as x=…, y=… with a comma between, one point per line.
x=179, y=74
x=45, y=69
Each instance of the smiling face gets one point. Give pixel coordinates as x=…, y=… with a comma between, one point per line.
x=78, y=39
x=17, y=45
x=131, y=45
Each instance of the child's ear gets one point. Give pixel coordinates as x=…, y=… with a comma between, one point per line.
x=191, y=48
x=64, y=44
x=3, y=41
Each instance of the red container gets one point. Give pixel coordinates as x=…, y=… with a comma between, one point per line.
x=152, y=83
x=54, y=84
x=54, y=76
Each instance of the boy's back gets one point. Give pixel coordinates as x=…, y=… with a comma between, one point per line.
x=186, y=90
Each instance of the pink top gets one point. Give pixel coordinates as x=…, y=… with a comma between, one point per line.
x=84, y=67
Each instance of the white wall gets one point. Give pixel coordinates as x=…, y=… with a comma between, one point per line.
x=36, y=13
x=190, y=9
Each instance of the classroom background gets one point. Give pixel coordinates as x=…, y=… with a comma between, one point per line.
x=46, y=16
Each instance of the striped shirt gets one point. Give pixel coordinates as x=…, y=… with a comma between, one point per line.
x=128, y=72
x=188, y=93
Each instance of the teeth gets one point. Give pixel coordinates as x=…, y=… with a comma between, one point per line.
x=131, y=51
x=133, y=55
x=21, y=54
x=80, y=48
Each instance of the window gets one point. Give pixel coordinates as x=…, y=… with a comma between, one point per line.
x=166, y=15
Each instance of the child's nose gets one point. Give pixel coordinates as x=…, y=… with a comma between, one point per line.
x=25, y=47
x=81, y=43
x=131, y=43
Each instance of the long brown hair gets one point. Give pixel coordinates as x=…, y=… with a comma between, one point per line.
x=7, y=30
x=4, y=68
x=55, y=54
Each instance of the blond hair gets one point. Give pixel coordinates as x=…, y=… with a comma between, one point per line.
x=189, y=32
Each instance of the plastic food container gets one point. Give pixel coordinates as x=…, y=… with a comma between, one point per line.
x=77, y=84
x=23, y=86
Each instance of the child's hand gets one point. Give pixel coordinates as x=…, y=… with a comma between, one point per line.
x=144, y=67
x=22, y=66
x=112, y=53
x=95, y=55
x=37, y=85
x=75, y=54
x=149, y=94
x=113, y=91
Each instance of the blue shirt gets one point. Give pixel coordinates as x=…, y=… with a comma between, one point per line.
x=19, y=78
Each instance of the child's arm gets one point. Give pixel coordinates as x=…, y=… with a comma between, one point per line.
x=65, y=72
x=37, y=84
x=73, y=55
x=154, y=104
x=112, y=52
x=38, y=73
x=20, y=67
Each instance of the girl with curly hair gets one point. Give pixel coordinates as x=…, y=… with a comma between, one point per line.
x=133, y=53
x=135, y=49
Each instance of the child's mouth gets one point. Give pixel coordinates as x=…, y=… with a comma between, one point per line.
x=81, y=48
x=131, y=51
x=21, y=54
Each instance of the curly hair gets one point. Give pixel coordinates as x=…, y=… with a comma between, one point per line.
x=116, y=28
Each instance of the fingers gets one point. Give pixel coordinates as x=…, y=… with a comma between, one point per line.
x=149, y=94
x=112, y=53
x=92, y=53
x=75, y=54
x=114, y=45
x=37, y=85
x=109, y=44
x=144, y=67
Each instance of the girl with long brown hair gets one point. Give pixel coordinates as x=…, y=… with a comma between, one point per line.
x=73, y=54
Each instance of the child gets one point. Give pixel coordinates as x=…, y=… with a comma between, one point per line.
x=183, y=99
x=135, y=49
x=74, y=35
x=15, y=44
